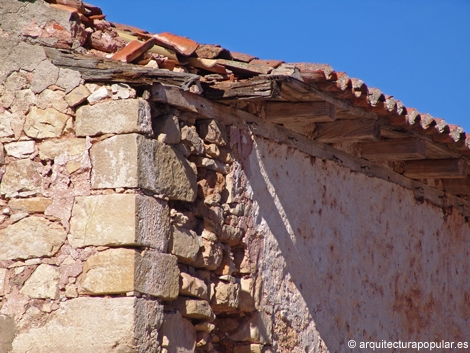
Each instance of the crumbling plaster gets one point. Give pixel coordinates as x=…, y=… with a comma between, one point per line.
x=347, y=256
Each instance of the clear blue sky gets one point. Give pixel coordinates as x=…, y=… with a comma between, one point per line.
x=416, y=50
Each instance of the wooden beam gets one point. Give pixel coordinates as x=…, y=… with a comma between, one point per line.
x=105, y=70
x=285, y=88
x=286, y=112
x=402, y=149
x=457, y=186
x=436, y=168
x=347, y=131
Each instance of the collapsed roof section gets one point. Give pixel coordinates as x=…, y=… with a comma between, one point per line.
x=310, y=99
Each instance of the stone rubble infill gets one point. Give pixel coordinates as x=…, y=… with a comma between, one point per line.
x=120, y=219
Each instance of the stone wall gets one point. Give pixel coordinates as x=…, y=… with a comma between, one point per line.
x=128, y=225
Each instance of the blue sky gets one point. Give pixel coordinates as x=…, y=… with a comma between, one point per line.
x=418, y=51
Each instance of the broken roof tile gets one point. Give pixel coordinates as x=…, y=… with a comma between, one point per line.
x=246, y=58
x=133, y=50
x=210, y=65
x=312, y=72
x=137, y=32
x=212, y=51
x=182, y=45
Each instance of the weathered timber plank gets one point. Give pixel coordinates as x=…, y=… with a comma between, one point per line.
x=257, y=89
x=286, y=88
x=258, y=127
x=105, y=70
x=436, y=168
x=457, y=186
x=394, y=149
x=286, y=112
x=348, y=131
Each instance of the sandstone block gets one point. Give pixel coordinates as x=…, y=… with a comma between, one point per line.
x=168, y=129
x=226, y=296
x=68, y=79
x=45, y=123
x=30, y=205
x=43, y=283
x=257, y=329
x=46, y=74
x=231, y=235
x=6, y=129
x=8, y=332
x=120, y=219
x=52, y=148
x=3, y=275
x=116, y=271
x=179, y=333
x=210, y=256
x=31, y=237
x=114, y=117
x=99, y=325
x=246, y=295
x=184, y=244
x=21, y=178
x=213, y=131
x=192, y=286
x=134, y=161
x=194, y=308
x=191, y=139
x=77, y=95
x=21, y=149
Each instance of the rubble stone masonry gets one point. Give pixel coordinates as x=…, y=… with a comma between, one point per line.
x=128, y=225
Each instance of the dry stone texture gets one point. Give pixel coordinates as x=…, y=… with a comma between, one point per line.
x=193, y=286
x=114, y=117
x=194, y=308
x=120, y=219
x=31, y=237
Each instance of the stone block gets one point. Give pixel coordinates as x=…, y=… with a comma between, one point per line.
x=114, y=117
x=192, y=286
x=50, y=149
x=8, y=332
x=226, y=297
x=77, y=95
x=194, y=308
x=45, y=123
x=120, y=219
x=257, y=329
x=30, y=205
x=21, y=178
x=117, y=271
x=99, y=325
x=213, y=131
x=45, y=74
x=231, y=235
x=211, y=254
x=43, y=283
x=31, y=237
x=184, y=244
x=2, y=154
x=179, y=334
x=168, y=129
x=3, y=275
x=134, y=161
x=191, y=139
x=246, y=295
x=21, y=149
